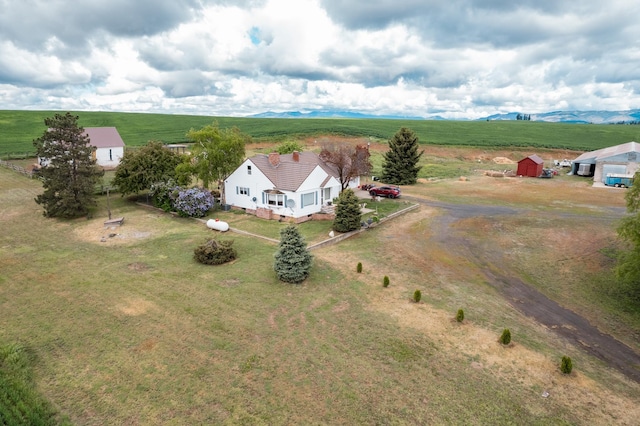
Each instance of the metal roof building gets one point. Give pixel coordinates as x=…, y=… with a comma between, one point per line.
x=618, y=159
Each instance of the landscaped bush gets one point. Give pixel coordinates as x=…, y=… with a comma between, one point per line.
x=385, y=281
x=359, y=267
x=417, y=295
x=194, y=202
x=505, y=338
x=566, y=365
x=460, y=315
x=215, y=252
x=164, y=194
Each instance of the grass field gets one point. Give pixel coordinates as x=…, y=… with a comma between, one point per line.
x=133, y=331
x=20, y=128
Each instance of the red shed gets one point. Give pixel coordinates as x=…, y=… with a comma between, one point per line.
x=530, y=166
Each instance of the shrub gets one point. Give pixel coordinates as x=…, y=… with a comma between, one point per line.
x=385, y=281
x=359, y=267
x=505, y=338
x=417, y=295
x=566, y=365
x=194, y=202
x=460, y=315
x=164, y=194
x=215, y=252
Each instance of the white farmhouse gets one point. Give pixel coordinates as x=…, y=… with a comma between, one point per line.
x=291, y=186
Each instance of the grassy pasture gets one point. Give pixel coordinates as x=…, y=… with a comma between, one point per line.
x=132, y=331
x=19, y=128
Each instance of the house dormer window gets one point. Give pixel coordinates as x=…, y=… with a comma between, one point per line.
x=248, y=170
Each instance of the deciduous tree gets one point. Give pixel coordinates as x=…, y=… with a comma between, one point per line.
x=349, y=161
x=216, y=153
x=287, y=147
x=400, y=165
x=293, y=259
x=70, y=176
x=628, y=267
x=141, y=168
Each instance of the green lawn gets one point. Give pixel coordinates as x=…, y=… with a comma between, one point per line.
x=133, y=331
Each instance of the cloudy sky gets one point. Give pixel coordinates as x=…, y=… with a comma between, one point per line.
x=453, y=58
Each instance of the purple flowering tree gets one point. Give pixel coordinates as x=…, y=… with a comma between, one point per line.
x=194, y=202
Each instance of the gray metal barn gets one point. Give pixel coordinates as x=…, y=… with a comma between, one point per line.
x=619, y=159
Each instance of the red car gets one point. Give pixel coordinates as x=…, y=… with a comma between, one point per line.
x=385, y=191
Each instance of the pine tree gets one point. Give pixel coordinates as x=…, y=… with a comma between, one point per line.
x=70, y=175
x=292, y=260
x=400, y=165
x=348, y=215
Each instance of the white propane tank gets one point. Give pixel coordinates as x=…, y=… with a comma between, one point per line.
x=217, y=225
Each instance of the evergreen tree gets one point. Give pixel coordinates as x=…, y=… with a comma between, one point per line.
x=292, y=260
x=348, y=215
x=70, y=175
x=400, y=166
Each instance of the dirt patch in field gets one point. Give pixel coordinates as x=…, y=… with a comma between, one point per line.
x=135, y=306
x=137, y=226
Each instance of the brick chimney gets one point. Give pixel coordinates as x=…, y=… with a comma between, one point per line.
x=274, y=159
x=296, y=156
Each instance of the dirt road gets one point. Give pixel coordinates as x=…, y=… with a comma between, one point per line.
x=523, y=297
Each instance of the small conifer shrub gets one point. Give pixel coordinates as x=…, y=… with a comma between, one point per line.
x=359, y=267
x=460, y=315
x=417, y=295
x=505, y=338
x=566, y=365
x=385, y=281
x=293, y=259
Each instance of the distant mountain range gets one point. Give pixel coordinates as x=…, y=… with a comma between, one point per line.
x=585, y=117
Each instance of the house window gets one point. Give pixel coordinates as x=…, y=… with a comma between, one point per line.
x=110, y=155
x=275, y=199
x=308, y=199
x=248, y=170
x=242, y=191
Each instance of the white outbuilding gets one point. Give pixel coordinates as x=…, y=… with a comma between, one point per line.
x=108, y=147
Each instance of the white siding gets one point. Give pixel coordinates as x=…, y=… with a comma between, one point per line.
x=109, y=157
x=257, y=183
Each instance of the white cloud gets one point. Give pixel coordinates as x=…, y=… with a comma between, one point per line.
x=405, y=57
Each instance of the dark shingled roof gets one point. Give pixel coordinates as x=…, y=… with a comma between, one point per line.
x=288, y=174
x=104, y=137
